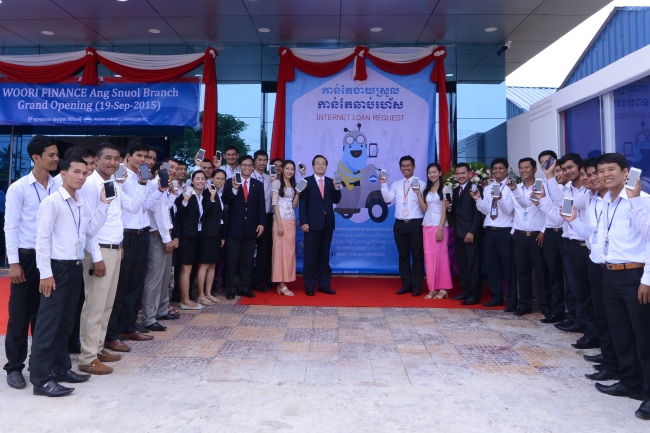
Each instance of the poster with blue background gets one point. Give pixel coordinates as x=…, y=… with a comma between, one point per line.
x=361, y=128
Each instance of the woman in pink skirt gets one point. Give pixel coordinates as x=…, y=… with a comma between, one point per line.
x=436, y=256
x=285, y=200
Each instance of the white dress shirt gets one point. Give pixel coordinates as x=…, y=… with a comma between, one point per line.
x=22, y=202
x=230, y=172
x=592, y=229
x=505, y=206
x=557, y=193
x=138, y=218
x=407, y=206
x=266, y=180
x=527, y=216
x=62, y=225
x=159, y=216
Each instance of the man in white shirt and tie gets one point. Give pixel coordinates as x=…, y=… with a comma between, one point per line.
x=23, y=200
x=407, y=229
x=63, y=222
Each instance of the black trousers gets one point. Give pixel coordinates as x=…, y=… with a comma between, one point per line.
x=23, y=306
x=529, y=257
x=629, y=325
x=569, y=283
x=408, y=238
x=600, y=317
x=262, y=268
x=553, y=251
x=579, y=267
x=54, y=323
x=129, y=286
x=240, y=253
x=468, y=261
x=500, y=263
x=316, y=264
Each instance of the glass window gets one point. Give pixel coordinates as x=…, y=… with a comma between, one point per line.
x=582, y=129
x=632, y=126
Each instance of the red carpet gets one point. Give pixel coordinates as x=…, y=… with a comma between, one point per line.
x=352, y=291
x=4, y=304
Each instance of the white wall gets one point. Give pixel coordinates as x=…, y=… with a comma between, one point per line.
x=540, y=128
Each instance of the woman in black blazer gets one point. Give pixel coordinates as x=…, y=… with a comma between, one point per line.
x=190, y=210
x=211, y=237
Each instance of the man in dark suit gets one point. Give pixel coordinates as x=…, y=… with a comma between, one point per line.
x=467, y=237
x=317, y=221
x=247, y=214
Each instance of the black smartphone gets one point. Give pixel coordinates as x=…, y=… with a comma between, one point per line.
x=272, y=170
x=512, y=178
x=109, y=190
x=238, y=178
x=144, y=172
x=218, y=155
x=164, y=166
x=164, y=178
x=548, y=163
x=301, y=166
x=448, y=197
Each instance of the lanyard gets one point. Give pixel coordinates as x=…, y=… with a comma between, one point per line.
x=601, y=214
x=609, y=222
x=37, y=194
x=76, y=222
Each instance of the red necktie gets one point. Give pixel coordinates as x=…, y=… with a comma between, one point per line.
x=245, y=190
x=321, y=187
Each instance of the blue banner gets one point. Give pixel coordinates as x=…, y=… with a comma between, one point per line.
x=109, y=104
x=361, y=128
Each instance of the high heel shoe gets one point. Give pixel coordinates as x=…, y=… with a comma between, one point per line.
x=284, y=290
x=442, y=294
x=430, y=295
x=212, y=299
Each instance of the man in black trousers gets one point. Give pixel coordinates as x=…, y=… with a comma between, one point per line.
x=247, y=215
x=317, y=221
x=468, y=222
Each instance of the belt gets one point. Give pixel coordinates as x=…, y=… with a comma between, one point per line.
x=111, y=246
x=68, y=262
x=554, y=229
x=527, y=233
x=494, y=229
x=137, y=231
x=622, y=266
x=578, y=243
x=411, y=220
x=30, y=251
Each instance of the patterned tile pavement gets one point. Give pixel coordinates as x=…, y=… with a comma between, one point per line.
x=370, y=346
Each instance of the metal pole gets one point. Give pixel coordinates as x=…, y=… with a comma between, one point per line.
x=11, y=156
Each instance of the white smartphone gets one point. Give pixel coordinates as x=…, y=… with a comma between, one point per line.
x=496, y=190
x=415, y=183
x=201, y=154
x=109, y=190
x=473, y=188
x=567, y=206
x=301, y=185
x=383, y=174
x=538, y=185
x=119, y=174
x=301, y=166
x=632, y=177
x=337, y=177
x=175, y=183
x=272, y=170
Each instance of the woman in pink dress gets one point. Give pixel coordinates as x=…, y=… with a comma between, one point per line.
x=436, y=256
x=285, y=200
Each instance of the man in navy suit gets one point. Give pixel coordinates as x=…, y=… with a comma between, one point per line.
x=317, y=221
x=247, y=214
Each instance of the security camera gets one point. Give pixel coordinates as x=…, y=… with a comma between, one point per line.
x=504, y=48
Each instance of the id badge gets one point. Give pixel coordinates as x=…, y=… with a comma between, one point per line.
x=80, y=250
x=493, y=211
x=594, y=238
x=606, y=247
x=200, y=225
x=525, y=217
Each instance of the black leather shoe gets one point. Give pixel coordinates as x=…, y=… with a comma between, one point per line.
x=599, y=367
x=246, y=293
x=553, y=318
x=574, y=327
x=470, y=301
x=586, y=343
x=522, y=311
x=155, y=326
x=70, y=377
x=52, y=389
x=230, y=295
x=594, y=358
x=168, y=317
x=309, y=292
x=16, y=380
x=327, y=291
x=568, y=321
x=643, y=411
x=261, y=289
x=141, y=328
x=458, y=298
x=619, y=389
x=403, y=291
x=494, y=303
x=510, y=309
x=601, y=375
x=416, y=293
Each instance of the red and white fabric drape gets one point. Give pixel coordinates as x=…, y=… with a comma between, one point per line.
x=52, y=68
x=327, y=62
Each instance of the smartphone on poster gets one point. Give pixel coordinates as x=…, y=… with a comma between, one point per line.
x=567, y=206
x=632, y=177
x=109, y=190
